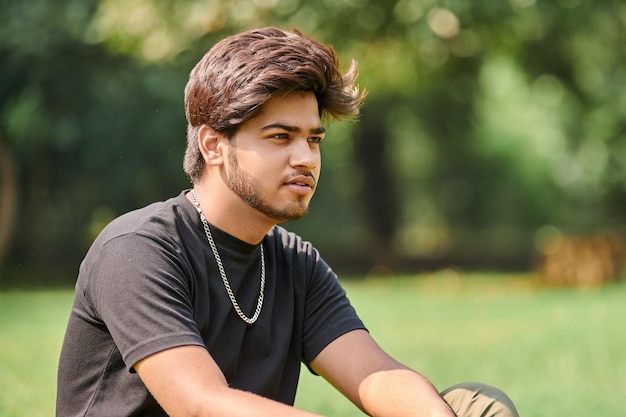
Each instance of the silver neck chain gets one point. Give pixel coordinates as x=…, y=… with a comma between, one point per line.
x=218, y=260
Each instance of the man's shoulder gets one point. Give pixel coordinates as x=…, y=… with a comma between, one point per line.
x=155, y=219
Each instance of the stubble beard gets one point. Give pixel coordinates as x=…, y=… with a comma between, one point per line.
x=246, y=187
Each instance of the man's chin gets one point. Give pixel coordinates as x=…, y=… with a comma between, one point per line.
x=287, y=219
x=290, y=215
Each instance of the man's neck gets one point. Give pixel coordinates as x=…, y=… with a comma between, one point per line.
x=227, y=212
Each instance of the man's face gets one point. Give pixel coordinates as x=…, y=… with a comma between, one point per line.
x=274, y=159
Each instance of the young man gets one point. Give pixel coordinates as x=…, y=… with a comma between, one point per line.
x=201, y=305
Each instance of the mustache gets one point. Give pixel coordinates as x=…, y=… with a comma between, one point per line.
x=303, y=173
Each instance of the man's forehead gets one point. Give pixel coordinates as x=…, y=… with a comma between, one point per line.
x=296, y=111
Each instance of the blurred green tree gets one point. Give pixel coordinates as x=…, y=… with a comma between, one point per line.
x=485, y=122
x=87, y=131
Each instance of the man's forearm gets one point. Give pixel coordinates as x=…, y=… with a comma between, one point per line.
x=235, y=403
x=187, y=382
x=401, y=393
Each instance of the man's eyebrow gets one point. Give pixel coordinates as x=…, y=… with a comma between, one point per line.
x=289, y=128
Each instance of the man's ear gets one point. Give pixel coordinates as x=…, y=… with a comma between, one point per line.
x=210, y=143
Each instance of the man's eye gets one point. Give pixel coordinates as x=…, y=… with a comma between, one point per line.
x=316, y=139
x=280, y=136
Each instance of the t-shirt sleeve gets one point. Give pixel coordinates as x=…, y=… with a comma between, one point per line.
x=138, y=288
x=328, y=311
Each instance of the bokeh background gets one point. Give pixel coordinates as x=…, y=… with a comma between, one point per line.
x=494, y=136
x=487, y=168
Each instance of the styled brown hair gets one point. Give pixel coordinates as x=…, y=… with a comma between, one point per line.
x=240, y=73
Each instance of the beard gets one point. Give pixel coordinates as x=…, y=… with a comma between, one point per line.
x=246, y=187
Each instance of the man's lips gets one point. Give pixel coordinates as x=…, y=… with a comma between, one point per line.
x=303, y=181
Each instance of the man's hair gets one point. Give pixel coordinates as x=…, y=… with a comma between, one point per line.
x=239, y=74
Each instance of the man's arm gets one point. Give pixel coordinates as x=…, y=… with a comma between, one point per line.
x=375, y=382
x=186, y=381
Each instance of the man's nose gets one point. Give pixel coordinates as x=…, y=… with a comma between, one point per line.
x=305, y=154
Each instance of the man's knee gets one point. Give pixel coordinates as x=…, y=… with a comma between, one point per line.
x=473, y=399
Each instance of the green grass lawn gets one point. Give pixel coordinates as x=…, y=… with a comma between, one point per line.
x=556, y=352
x=31, y=332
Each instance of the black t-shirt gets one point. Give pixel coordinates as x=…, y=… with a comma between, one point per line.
x=150, y=282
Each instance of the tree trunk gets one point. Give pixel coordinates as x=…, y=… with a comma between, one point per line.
x=379, y=189
x=8, y=198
